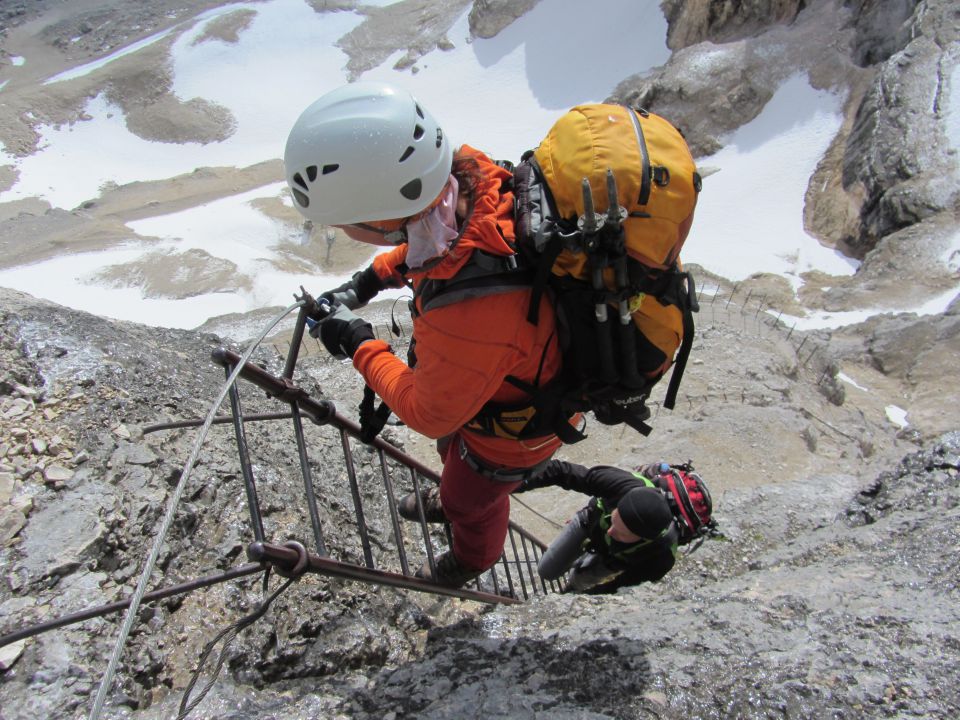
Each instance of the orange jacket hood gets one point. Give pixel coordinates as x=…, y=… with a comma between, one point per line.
x=489, y=227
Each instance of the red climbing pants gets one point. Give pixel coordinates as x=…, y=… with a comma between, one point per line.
x=477, y=507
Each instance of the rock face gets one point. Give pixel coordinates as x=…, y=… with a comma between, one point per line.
x=418, y=26
x=718, y=82
x=883, y=28
x=899, y=156
x=793, y=618
x=893, y=166
x=82, y=490
x=84, y=487
x=488, y=17
x=694, y=21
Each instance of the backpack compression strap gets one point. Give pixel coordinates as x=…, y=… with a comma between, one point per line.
x=688, y=305
x=644, y=156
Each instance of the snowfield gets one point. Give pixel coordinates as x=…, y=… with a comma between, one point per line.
x=500, y=95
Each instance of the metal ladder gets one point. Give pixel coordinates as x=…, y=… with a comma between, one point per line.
x=513, y=579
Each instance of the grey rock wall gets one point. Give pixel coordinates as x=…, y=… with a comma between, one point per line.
x=898, y=156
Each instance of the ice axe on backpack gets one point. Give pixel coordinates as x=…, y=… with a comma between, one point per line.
x=603, y=241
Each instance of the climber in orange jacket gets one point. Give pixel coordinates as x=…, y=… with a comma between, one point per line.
x=368, y=158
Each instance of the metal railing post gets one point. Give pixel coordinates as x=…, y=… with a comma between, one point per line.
x=246, y=469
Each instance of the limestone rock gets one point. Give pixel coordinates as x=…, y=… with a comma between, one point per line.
x=9, y=654
x=60, y=536
x=57, y=475
x=6, y=487
x=694, y=21
x=11, y=523
x=898, y=154
x=882, y=28
x=489, y=17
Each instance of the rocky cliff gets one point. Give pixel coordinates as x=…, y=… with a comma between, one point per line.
x=893, y=163
x=809, y=606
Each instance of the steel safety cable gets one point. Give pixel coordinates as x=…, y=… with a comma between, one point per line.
x=174, y=501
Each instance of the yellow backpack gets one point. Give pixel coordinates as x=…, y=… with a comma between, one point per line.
x=613, y=268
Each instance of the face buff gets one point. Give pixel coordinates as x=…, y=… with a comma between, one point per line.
x=430, y=236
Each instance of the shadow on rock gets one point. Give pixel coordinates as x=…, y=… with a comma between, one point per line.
x=470, y=675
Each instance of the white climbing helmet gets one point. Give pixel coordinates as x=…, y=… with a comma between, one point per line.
x=365, y=152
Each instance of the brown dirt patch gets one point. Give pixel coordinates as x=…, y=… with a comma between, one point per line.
x=227, y=28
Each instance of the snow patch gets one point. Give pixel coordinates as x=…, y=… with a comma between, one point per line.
x=750, y=214
x=525, y=70
x=80, y=147
x=17, y=60
x=66, y=280
x=850, y=381
x=896, y=415
x=286, y=58
x=823, y=320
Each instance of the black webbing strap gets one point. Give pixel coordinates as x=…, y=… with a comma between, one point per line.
x=550, y=417
x=644, y=158
x=688, y=307
x=551, y=252
x=484, y=274
x=371, y=420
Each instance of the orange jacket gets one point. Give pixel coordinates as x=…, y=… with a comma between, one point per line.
x=466, y=349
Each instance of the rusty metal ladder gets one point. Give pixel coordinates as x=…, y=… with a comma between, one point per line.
x=513, y=579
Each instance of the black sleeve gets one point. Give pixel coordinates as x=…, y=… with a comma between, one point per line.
x=566, y=547
x=601, y=480
x=559, y=473
x=368, y=284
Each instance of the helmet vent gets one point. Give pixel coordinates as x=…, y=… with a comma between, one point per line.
x=311, y=173
x=301, y=199
x=406, y=153
x=412, y=190
x=298, y=179
x=418, y=132
x=333, y=167
x=419, y=111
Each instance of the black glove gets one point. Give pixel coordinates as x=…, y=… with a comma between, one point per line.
x=358, y=291
x=342, y=332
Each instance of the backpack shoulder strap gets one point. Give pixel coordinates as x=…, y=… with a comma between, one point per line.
x=484, y=274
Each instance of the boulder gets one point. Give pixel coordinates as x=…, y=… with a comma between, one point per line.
x=60, y=536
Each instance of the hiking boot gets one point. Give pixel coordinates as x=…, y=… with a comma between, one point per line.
x=432, y=510
x=449, y=571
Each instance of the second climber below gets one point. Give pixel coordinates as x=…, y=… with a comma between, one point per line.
x=370, y=159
